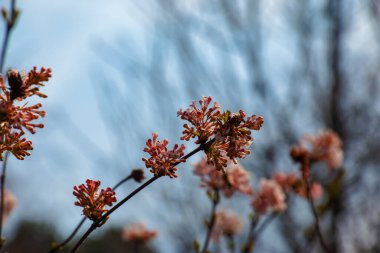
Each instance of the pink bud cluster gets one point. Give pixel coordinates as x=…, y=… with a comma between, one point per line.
x=139, y=233
x=92, y=201
x=227, y=223
x=15, y=119
x=270, y=196
x=235, y=178
x=326, y=147
x=231, y=132
x=162, y=161
x=292, y=183
x=273, y=193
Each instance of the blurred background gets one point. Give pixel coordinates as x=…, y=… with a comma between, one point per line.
x=122, y=69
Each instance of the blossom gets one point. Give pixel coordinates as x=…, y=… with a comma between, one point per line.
x=270, y=196
x=227, y=223
x=92, y=201
x=14, y=143
x=162, y=161
x=289, y=182
x=286, y=180
x=137, y=175
x=138, y=232
x=22, y=87
x=235, y=178
x=16, y=119
x=203, y=120
x=9, y=204
x=235, y=130
x=326, y=146
x=229, y=133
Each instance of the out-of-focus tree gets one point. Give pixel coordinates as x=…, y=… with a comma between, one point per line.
x=304, y=65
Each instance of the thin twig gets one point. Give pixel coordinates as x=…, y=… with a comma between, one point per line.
x=215, y=201
x=9, y=26
x=71, y=236
x=3, y=170
x=98, y=222
x=105, y=216
x=248, y=246
x=316, y=217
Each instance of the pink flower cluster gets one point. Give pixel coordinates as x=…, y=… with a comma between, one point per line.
x=235, y=178
x=139, y=233
x=227, y=223
x=273, y=192
x=15, y=119
x=291, y=183
x=162, y=161
x=270, y=196
x=92, y=201
x=326, y=146
x=203, y=119
x=231, y=132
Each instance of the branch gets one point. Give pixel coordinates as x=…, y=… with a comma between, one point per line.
x=316, y=217
x=105, y=216
x=215, y=202
x=60, y=246
x=10, y=24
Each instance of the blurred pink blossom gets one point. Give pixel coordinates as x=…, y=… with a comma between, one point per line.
x=235, y=178
x=138, y=232
x=270, y=196
x=226, y=223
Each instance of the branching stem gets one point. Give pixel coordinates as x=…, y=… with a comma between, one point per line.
x=105, y=216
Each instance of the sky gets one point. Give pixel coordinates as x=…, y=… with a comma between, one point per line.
x=60, y=35
x=64, y=35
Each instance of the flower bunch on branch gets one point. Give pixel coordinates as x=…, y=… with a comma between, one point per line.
x=93, y=201
x=16, y=116
x=161, y=159
x=230, y=132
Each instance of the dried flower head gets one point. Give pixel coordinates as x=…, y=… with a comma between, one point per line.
x=16, y=119
x=235, y=178
x=162, y=161
x=138, y=175
x=231, y=132
x=227, y=223
x=139, y=233
x=92, y=201
x=270, y=196
x=29, y=85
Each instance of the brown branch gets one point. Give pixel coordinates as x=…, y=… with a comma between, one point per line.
x=316, y=217
x=105, y=216
x=9, y=25
x=60, y=246
x=211, y=223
